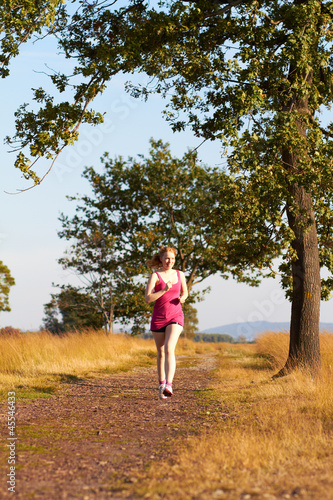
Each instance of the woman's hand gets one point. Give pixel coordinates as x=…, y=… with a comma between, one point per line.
x=168, y=285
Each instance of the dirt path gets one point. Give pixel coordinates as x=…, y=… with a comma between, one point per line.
x=96, y=438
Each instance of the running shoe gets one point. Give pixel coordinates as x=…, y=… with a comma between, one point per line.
x=161, y=388
x=168, y=390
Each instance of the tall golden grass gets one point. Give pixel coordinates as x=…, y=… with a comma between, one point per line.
x=273, y=439
x=274, y=346
x=39, y=360
x=36, y=359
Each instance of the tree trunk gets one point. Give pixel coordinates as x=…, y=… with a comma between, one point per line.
x=304, y=349
x=111, y=311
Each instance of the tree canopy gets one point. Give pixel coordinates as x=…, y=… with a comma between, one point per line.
x=221, y=67
x=19, y=21
x=255, y=75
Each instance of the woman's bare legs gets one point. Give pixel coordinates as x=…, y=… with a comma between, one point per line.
x=159, y=338
x=172, y=334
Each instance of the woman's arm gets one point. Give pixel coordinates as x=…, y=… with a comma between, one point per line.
x=150, y=295
x=184, y=293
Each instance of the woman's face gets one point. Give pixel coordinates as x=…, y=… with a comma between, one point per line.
x=168, y=260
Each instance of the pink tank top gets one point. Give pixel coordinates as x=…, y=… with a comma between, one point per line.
x=167, y=309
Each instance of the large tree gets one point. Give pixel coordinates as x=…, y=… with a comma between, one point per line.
x=139, y=205
x=253, y=74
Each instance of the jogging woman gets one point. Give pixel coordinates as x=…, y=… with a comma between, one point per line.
x=167, y=288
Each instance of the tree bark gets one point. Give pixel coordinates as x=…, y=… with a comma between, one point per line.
x=304, y=348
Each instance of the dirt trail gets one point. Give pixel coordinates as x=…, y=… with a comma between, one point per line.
x=97, y=437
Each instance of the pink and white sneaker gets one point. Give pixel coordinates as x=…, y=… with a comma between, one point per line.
x=168, y=390
x=161, y=388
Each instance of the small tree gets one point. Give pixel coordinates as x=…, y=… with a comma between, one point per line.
x=91, y=258
x=6, y=281
x=71, y=309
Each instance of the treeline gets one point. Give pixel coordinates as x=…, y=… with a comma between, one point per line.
x=203, y=337
x=213, y=337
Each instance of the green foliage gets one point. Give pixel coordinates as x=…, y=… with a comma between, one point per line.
x=20, y=20
x=71, y=310
x=6, y=281
x=106, y=278
x=203, y=212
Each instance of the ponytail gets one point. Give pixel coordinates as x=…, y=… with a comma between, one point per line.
x=156, y=260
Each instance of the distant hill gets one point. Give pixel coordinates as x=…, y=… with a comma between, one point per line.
x=251, y=329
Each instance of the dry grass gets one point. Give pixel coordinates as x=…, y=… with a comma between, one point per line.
x=274, y=346
x=39, y=360
x=186, y=346
x=273, y=439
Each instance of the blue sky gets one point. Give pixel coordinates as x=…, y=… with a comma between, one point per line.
x=29, y=243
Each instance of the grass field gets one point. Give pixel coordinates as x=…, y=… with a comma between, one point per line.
x=273, y=439
x=34, y=363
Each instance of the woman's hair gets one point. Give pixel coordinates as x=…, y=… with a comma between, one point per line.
x=156, y=260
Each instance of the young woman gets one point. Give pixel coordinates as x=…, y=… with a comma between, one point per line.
x=167, y=288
